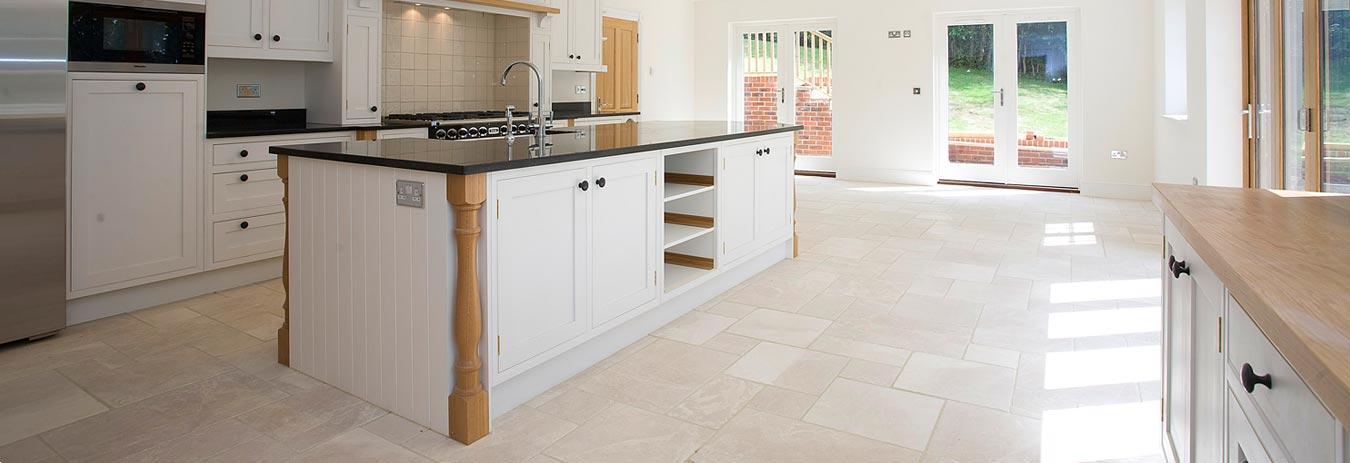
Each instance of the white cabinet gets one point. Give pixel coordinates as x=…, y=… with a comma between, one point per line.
x=299, y=30
x=576, y=36
x=361, y=69
x=623, y=238
x=134, y=181
x=1193, y=363
x=235, y=23
x=754, y=198
x=541, y=243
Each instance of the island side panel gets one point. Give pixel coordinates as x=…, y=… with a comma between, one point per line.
x=284, y=333
x=469, y=420
x=370, y=286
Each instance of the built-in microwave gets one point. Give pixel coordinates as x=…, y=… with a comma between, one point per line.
x=137, y=36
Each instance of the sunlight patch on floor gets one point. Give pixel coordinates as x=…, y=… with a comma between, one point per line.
x=1098, y=367
x=1087, y=323
x=1088, y=291
x=1069, y=240
x=1097, y=433
x=1066, y=228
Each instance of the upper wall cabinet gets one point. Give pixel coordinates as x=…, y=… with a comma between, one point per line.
x=576, y=36
x=294, y=30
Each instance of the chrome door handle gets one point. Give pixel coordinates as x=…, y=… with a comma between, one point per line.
x=1250, y=112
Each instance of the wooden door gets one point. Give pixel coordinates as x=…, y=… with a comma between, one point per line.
x=237, y=23
x=617, y=89
x=135, y=182
x=362, y=79
x=772, y=188
x=735, y=221
x=624, y=205
x=541, y=263
x=299, y=25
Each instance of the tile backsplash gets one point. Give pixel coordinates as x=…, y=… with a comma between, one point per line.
x=438, y=59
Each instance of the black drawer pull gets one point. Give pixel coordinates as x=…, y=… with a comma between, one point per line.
x=1250, y=379
x=768, y=150
x=600, y=182
x=243, y=178
x=1178, y=267
x=257, y=36
x=140, y=86
x=243, y=153
x=276, y=38
x=584, y=185
x=243, y=225
x=374, y=108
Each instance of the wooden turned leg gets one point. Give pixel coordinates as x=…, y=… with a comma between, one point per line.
x=468, y=401
x=284, y=333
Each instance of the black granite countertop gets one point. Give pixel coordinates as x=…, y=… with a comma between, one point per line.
x=464, y=157
x=253, y=123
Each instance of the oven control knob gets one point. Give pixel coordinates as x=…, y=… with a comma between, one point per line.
x=463, y=133
x=505, y=129
x=440, y=134
x=473, y=131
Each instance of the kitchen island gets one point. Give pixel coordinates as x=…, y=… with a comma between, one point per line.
x=534, y=264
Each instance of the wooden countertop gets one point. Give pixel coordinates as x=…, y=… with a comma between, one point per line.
x=1285, y=257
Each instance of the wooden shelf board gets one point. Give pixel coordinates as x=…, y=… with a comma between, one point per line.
x=702, y=263
x=689, y=219
x=510, y=5
x=676, y=191
x=676, y=233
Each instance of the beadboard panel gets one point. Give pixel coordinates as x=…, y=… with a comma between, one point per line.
x=370, y=286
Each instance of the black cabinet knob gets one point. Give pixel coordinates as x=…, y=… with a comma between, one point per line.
x=572, y=56
x=600, y=182
x=140, y=86
x=257, y=36
x=1178, y=267
x=579, y=57
x=768, y=150
x=243, y=153
x=584, y=185
x=243, y=225
x=276, y=38
x=243, y=178
x=1250, y=379
x=374, y=108
x=759, y=152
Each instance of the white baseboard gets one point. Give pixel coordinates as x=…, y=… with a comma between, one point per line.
x=816, y=163
x=1116, y=190
x=135, y=298
x=901, y=176
x=528, y=385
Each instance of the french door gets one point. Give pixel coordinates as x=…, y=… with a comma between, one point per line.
x=785, y=74
x=1006, y=112
x=1298, y=94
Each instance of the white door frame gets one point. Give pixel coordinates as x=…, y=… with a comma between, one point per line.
x=787, y=112
x=1005, y=168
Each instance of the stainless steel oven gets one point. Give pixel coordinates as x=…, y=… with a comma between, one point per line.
x=137, y=36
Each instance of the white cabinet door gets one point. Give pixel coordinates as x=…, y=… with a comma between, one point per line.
x=735, y=221
x=362, y=62
x=1243, y=446
x=772, y=189
x=234, y=23
x=135, y=183
x=561, y=28
x=541, y=263
x=299, y=25
x=585, y=31
x=624, y=205
x=1178, y=388
x=1208, y=384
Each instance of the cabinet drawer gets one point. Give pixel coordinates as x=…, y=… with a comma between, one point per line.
x=239, y=153
x=234, y=239
x=241, y=191
x=1307, y=432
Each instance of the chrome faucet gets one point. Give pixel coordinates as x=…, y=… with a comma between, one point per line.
x=541, y=131
x=510, y=124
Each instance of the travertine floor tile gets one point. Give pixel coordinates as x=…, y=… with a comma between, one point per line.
x=199, y=445
x=359, y=446
x=716, y=402
x=878, y=374
x=41, y=402
x=788, y=367
x=30, y=450
x=694, y=327
x=624, y=434
x=516, y=436
x=971, y=434
x=758, y=437
x=888, y=415
x=782, y=402
x=780, y=327
x=949, y=378
x=575, y=405
x=659, y=376
x=148, y=376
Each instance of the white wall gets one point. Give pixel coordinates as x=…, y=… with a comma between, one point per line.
x=283, y=84
x=885, y=133
x=1206, y=146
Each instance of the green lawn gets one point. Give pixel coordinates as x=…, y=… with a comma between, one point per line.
x=1043, y=106
x=1338, y=116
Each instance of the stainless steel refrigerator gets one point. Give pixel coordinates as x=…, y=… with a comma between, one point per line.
x=32, y=168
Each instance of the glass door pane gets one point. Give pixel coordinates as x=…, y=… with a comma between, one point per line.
x=1043, y=95
x=1335, y=25
x=1263, y=43
x=972, y=96
x=814, y=92
x=759, y=70
x=1295, y=123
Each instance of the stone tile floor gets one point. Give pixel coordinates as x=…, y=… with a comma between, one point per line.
x=921, y=324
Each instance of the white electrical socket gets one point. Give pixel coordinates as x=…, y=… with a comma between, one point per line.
x=581, y=90
x=1120, y=155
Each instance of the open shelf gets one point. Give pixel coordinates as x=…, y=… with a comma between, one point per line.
x=676, y=191
x=677, y=276
x=676, y=233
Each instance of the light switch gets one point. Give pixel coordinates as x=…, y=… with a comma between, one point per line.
x=1120, y=155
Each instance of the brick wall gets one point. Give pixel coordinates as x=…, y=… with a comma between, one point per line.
x=761, y=105
x=1032, y=150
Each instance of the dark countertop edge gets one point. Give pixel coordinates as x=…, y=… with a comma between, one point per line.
x=568, y=117
x=320, y=129
x=519, y=163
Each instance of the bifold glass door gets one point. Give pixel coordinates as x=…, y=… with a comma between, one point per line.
x=786, y=74
x=1005, y=98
